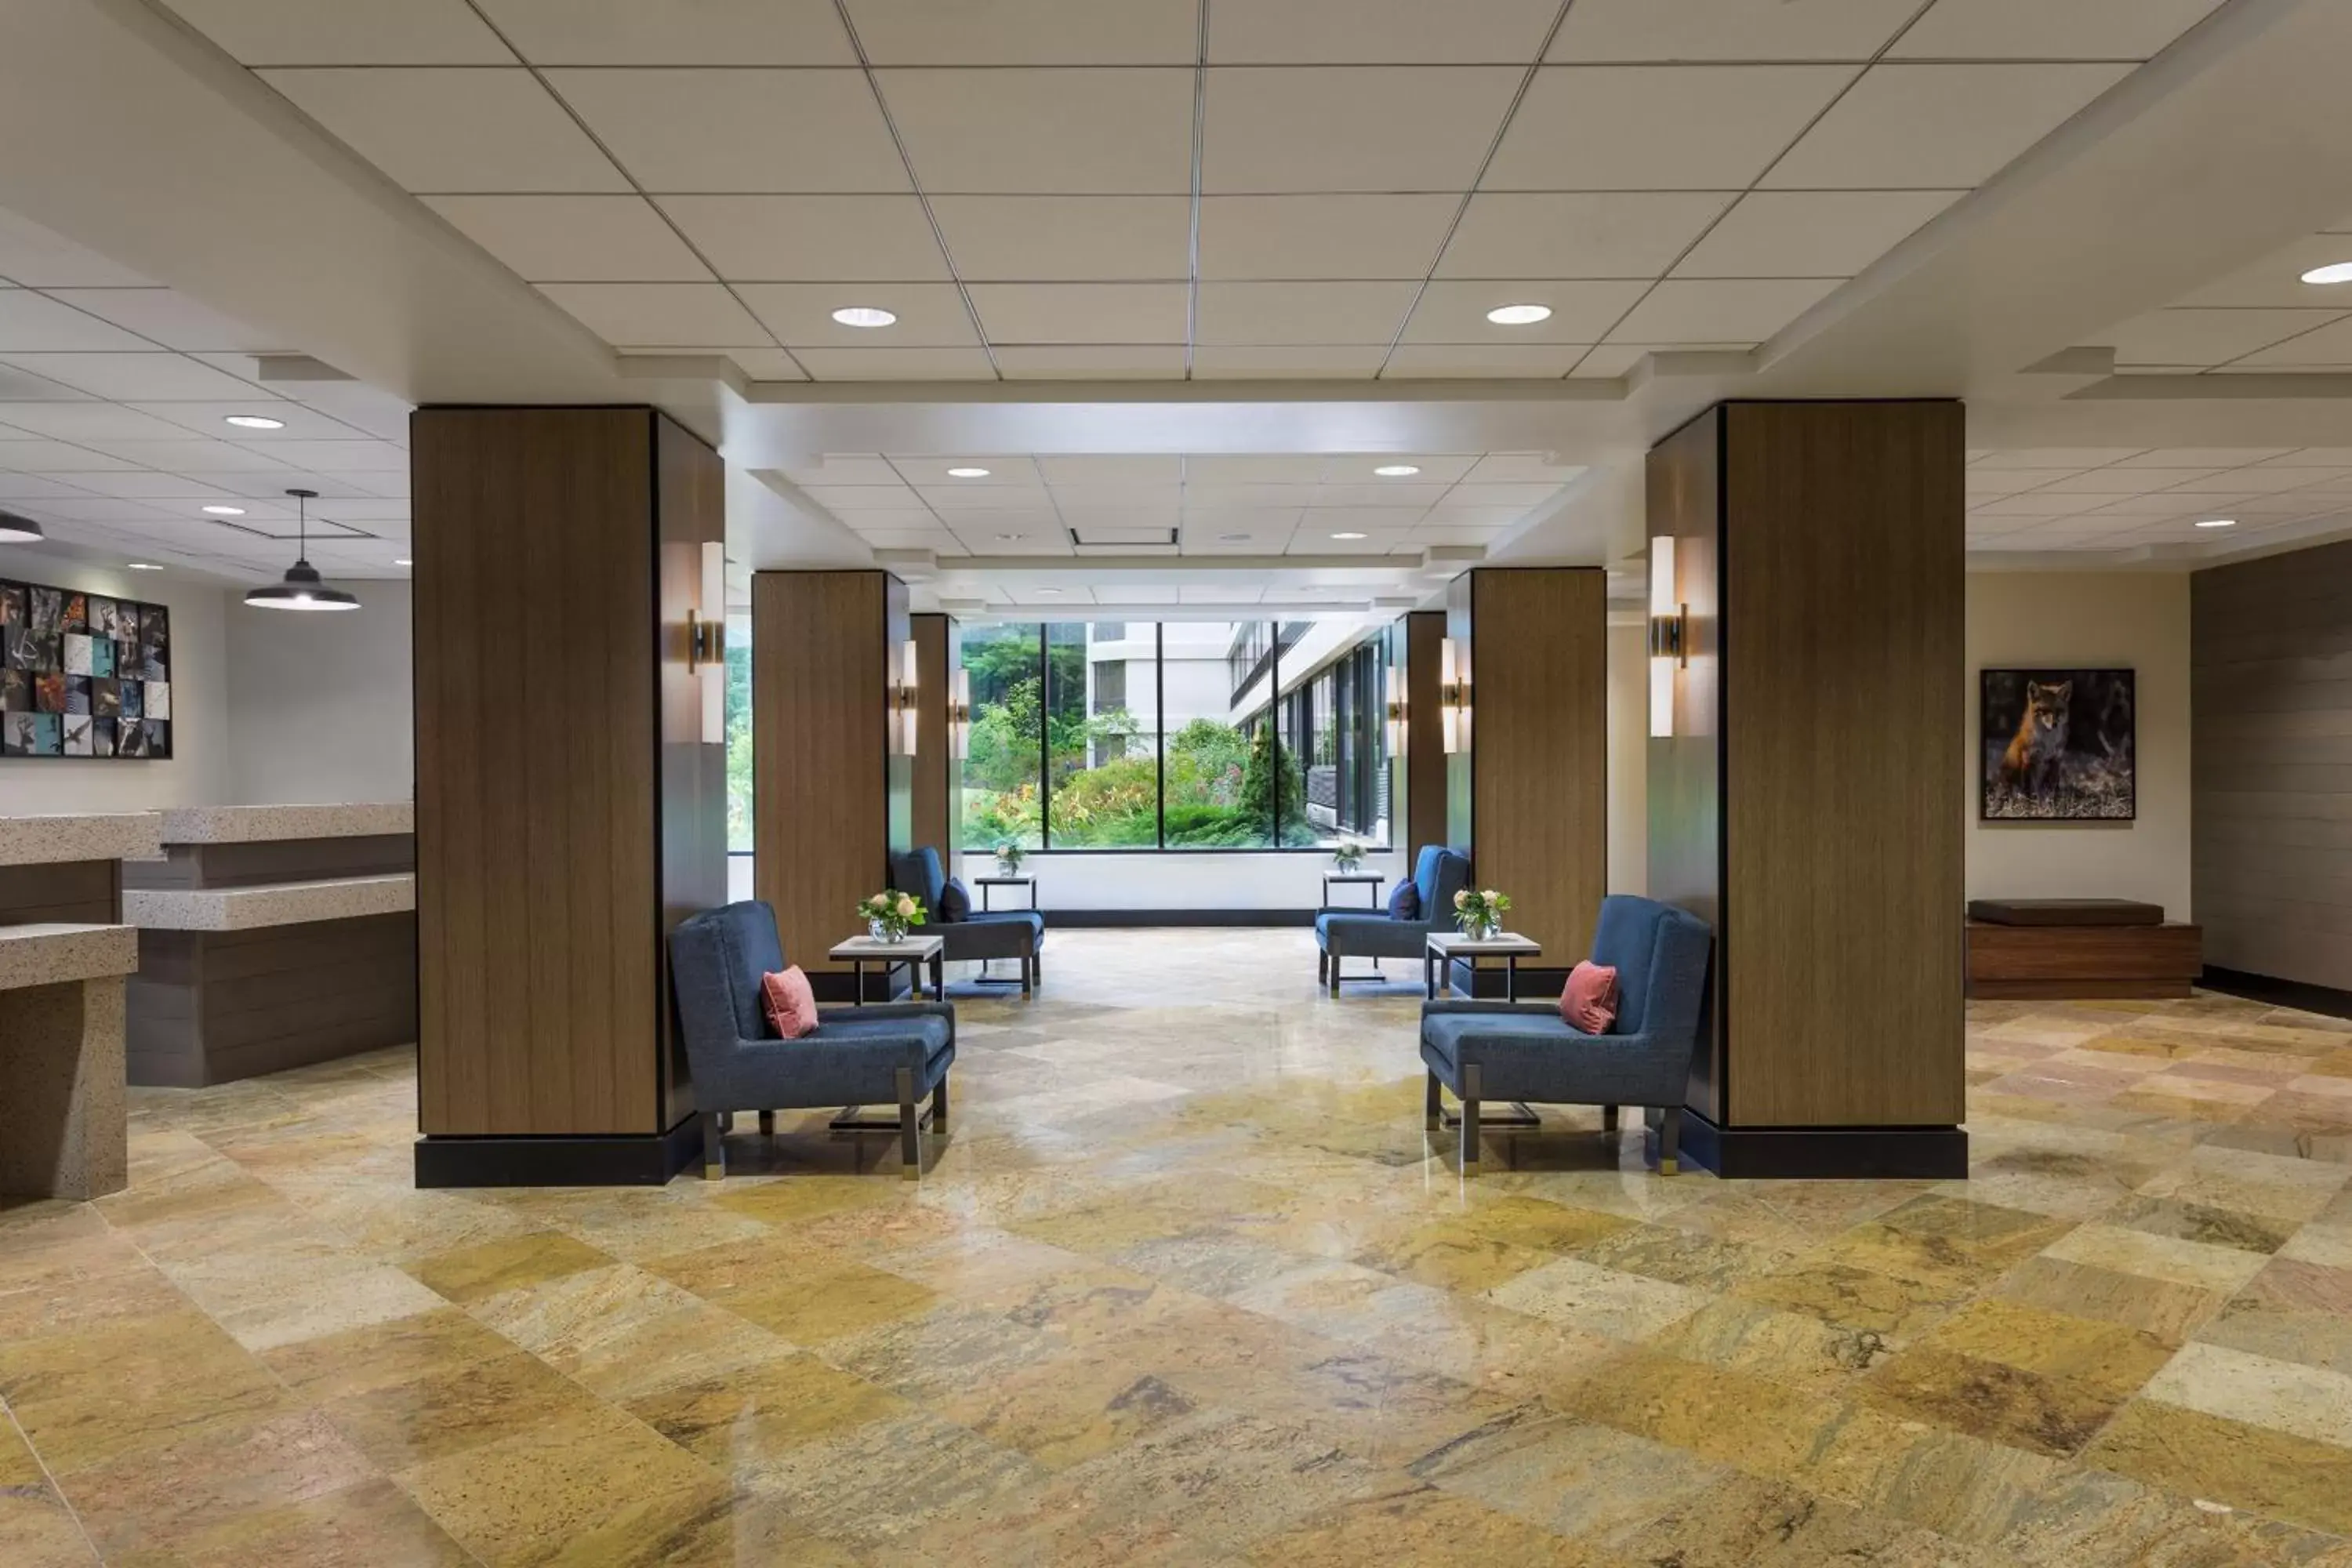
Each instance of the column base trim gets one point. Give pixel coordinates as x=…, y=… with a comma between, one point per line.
x=558, y=1160
x=1821, y=1153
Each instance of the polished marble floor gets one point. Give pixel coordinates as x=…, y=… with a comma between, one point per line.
x=1184, y=1285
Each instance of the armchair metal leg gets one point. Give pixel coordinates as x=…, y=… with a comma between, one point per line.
x=1028, y=975
x=940, y=1105
x=1322, y=965
x=1332, y=974
x=714, y=1153
x=1469, y=1118
x=1670, y=1137
x=1609, y=1119
x=1433, y=1107
x=767, y=1124
x=911, y=1128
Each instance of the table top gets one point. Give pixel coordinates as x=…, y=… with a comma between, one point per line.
x=1021, y=881
x=915, y=947
x=1354, y=876
x=50, y=952
x=268, y=903
x=1509, y=943
x=108, y=836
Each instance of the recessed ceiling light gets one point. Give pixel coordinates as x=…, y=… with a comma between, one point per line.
x=1011, y=538
x=142, y=566
x=2334, y=272
x=1397, y=470
x=1233, y=539
x=402, y=561
x=254, y=422
x=1049, y=593
x=2219, y=523
x=967, y=473
x=1518, y=315
x=1348, y=535
x=865, y=316
x=224, y=512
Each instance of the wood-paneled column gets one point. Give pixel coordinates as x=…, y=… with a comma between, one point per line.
x=1527, y=783
x=568, y=811
x=1808, y=805
x=833, y=790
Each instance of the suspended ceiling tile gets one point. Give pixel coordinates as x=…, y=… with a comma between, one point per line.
x=1748, y=309
x=689, y=131
x=1374, y=492
x=1276, y=129
x=2208, y=337
x=204, y=418
x=931, y=315
x=1090, y=362
x=1150, y=468
x=1500, y=495
x=1302, y=313
x=1617, y=30
x=1004, y=472
x=26, y=454
x=1455, y=362
x=1027, y=32
x=845, y=499
x=1052, y=239
x=86, y=423
x=2329, y=346
x=1293, y=362
x=705, y=32
x=1385, y=32
x=1455, y=312
x=574, y=239
x=1521, y=467
x=1082, y=312
x=1077, y=132
x=1357, y=519
x=441, y=130
x=1938, y=126
x=347, y=32
x=33, y=323
x=167, y=317
x=952, y=496
x=139, y=484
x=1205, y=493
x=778, y=239
x=2056, y=456
x=2276, y=280
x=1162, y=496
x=1441, y=469
x=1450, y=516
x=153, y=376
x=1704, y=128
x=2113, y=482
x=680, y=315
x=1609, y=361
x=34, y=487
x=2035, y=30
x=1248, y=469
x=1811, y=234
x=1593, y=234
x=842, y=468
x=1323, y=236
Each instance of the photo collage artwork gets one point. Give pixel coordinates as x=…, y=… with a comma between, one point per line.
x=82, y=675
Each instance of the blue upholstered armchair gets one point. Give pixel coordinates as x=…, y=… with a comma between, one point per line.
x=1438, y=873
x=1525, y=1050
x=860, y=1056
x=980, y=935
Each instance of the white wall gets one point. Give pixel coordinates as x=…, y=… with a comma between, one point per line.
x=196, y=772
x=1629, y=766
x=1179, y=879
x=2089, y=620
x=321, y=707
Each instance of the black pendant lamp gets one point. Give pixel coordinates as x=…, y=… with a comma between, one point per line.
x=15, y=530
x=302, y=588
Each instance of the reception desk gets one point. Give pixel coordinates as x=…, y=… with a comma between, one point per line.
x=271, y=937
x=63, y=955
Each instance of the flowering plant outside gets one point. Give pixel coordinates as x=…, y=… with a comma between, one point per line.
x=888, y=914
x=1480, y=911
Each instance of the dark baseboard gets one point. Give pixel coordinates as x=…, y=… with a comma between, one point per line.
x=2292, y=993
x=1821, y=1153
x=1121, y=919
x=558, y=1160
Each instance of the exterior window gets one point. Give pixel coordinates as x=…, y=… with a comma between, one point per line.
x=1004, y=765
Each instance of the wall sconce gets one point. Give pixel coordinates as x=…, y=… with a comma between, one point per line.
x=1669, y=634
x=706, y=644
x=1398, y=729
x=903, y=713
x=1453, y=694
x=960, y=715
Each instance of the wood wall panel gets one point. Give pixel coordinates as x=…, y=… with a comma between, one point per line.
x=2270, y=759
x=690, y=512
x=930, y=789
x=207, y=1007
x=537, y=765
x=84, y=892
x=1684, y=494
x=1425, y=746
x=1843, y=570
x=1539, y=738
x=256, y=862
x=823, y=778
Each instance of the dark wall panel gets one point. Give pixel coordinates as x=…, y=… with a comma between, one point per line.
x=930, y=788
x=1424, y=758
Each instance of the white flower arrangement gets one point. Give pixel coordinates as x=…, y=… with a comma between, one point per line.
x=1480, y=913
x=890, y=915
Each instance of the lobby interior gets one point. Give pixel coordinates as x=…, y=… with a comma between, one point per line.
x=1839, y=510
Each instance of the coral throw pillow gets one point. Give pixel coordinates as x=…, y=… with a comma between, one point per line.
x=790, y=1004
x=1589, y=1002
x=1404, y=904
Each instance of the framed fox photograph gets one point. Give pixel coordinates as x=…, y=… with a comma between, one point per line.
x=2058, y=745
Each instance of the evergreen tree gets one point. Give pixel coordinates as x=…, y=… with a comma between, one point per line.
x=1272, y=770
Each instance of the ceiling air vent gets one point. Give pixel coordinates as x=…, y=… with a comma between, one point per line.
x=1123, y=538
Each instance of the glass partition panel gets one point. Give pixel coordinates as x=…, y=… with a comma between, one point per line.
x=1002, y=768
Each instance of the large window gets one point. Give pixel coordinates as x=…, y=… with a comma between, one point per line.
x=1182, y=735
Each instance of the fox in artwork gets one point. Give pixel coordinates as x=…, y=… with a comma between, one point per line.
x=2030, y=764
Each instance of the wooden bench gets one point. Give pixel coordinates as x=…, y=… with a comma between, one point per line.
x=2079, y=948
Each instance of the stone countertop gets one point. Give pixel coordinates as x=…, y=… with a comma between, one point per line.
x=269, y=904
x=248, y=824
x=49, y=953
x=49, y=841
